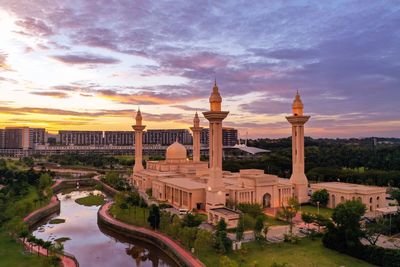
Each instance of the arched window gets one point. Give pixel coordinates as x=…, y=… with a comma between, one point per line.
x=342, y=199
x=370, y=200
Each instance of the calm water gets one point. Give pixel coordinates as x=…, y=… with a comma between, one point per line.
x=93, y=246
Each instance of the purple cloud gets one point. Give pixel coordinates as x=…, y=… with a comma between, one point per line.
x=85, y=59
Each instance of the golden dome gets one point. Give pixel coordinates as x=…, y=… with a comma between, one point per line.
x=176, y=151
x=297, y=106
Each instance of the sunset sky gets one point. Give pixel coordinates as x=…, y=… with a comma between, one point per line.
x=86, y=65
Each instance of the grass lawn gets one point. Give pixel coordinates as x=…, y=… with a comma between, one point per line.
x=57, y=221
x=133, y=215
x=91, y=200
x=314, y=210
x=12, y=254
x=62, y=239
x=305, y=254
x=271, y=221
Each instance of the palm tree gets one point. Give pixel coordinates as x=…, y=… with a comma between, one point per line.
x=47, y=245
x=31, y=240
x=39, y=243
x=24, y=234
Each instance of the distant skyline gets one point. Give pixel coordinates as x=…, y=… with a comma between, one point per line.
x=88, y=65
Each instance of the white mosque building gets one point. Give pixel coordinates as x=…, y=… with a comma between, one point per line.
x=194, y=184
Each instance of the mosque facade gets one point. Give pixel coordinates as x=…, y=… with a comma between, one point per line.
x=193, y=184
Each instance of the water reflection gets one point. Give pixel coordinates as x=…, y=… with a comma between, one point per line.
x=94, y=246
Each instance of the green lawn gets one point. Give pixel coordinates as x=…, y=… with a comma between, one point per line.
x=314, y=210
x=271, y=221
x=305, y=254
x=57, y=221
x=12, y=254
x=91, y=200
x=133, y=215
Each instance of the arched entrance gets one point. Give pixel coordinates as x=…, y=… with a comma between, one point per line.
x=267, y=200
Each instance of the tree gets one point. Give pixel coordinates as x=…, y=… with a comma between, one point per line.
x=191, y=220
x=221, y=241
x=265, y=231
x=345, y=233
x=47, y=245
x=320, y=221
x=154, y=216
x=307, y=218
x=240, y=228
x=321, y=196
x=24, y=234
x=258, y=227
x=44, y=181
x=203, y=240
x=374, y=230
x=347, y=216
x=288, y=212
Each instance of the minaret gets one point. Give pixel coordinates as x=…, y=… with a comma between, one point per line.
x=196, y=129
x=298, y=178
x=138, y=142
x=215, y=196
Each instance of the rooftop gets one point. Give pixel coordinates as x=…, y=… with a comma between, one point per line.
x=356, y=188
x=184, y=183
x=226, y=211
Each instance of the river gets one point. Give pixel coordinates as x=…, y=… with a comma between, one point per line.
x=94, y=246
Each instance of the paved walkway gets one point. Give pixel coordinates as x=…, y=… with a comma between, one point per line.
x=193, y=261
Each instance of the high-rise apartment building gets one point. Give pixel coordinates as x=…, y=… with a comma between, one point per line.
x=2, y=133
x=37, y=136
x=167, y=136
x=229, y=136
x=80, y=138
x=17, y=137
x=119, y=138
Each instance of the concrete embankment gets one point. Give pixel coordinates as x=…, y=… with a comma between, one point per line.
x=182, y=257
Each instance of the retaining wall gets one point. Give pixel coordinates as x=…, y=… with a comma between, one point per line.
x=181, y=256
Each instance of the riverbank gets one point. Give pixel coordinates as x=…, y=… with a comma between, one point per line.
x=36, y=216
x=163, y=242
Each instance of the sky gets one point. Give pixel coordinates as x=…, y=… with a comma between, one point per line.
x=89, y=65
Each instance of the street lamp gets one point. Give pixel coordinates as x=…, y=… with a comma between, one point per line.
x=318, y=207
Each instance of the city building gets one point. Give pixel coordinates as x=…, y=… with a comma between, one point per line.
x=2, y=133
x=167, y=136
x=17, y=138
x=374, y=197
x=80, y=138
x=118, y=138
x=37, y=136
x=229, y=137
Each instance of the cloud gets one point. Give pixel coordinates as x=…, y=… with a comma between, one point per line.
x=143, y=98
x=54, y=94
x=35, y=27
x=3, y=62
x=85, y=58
x=187, y=108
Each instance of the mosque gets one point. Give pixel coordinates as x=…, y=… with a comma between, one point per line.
x=195, y=184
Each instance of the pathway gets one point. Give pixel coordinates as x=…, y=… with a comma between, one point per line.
x=165, y=239
x=66, y=261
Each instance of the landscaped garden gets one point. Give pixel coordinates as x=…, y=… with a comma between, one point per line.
x=13, y=254
x=91, y=200
x=326, y=212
